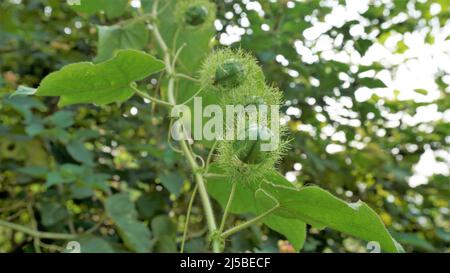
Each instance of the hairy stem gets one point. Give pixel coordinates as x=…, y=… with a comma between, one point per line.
x=207, y=207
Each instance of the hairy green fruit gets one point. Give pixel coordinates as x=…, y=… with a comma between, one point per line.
x=250, y=150
x=230, y=74
x=196, y=15
x=254, y=100
x=235, y=72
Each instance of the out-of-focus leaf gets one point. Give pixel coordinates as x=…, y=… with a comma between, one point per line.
x=34, y=171
x=162, y=225
x=112, y=38
x=25, y=105
x=61, y=119
x=79, y=152
x=52, y=213
x=166, y=244
x=362, y=45
x=415, y=240
x=148, y=205
x=93, y=244
x=24, y=91
x=122, y=212
x=55, y=178
x=173, y=182
x=421, y=91
x=164, y=231
x=81, y=192
x=444, y=235
x=34, y=129
x=372, y=83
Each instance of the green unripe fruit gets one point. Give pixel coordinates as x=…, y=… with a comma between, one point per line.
x=250, y=150
x=230, y=74
x=254, y=100
x=252, y=108
x=196, y=15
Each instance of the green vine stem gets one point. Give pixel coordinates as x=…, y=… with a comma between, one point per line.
x=247, y=224
x=150, y=98
x=209, y=158
x=207, y=207
x=227, y=207
x=36, y=233
x=34, y=224
x=187, y=77
x=188, y=215
x=193, y=96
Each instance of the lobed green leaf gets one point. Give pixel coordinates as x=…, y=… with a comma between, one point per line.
x=318, y=207
x=100, y=83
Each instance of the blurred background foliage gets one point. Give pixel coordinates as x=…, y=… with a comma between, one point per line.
x=361, y=126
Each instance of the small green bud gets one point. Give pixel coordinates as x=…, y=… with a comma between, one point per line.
x=250, y=150
x=196, y=15
x=230, y=74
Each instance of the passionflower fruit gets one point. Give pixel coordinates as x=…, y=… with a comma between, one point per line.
x=251, y=149
x=229, y=74
x=196, y=15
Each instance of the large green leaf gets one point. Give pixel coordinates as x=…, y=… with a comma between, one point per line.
x=100, y=83
x=133, y=35
x=122, y=212
x=318, y=207
x=293, y=229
